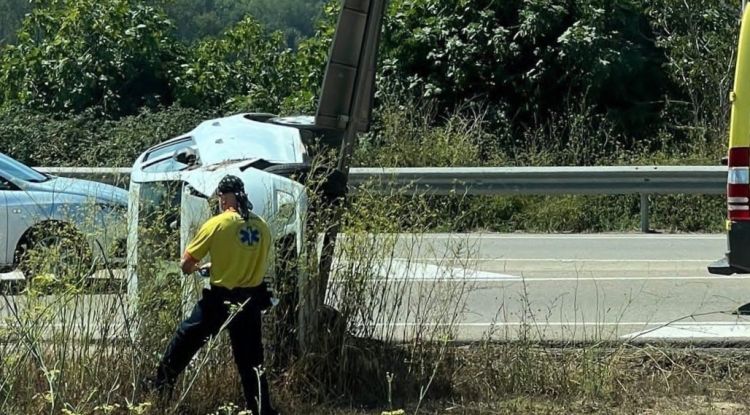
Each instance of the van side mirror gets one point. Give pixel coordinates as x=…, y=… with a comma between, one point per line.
x=725, y=161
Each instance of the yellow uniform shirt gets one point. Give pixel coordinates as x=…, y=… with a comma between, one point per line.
x=239, y=249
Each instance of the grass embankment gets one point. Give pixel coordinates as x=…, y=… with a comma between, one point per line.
x=61, y=355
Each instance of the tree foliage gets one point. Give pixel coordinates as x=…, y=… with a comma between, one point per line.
x=529, y=59
x=245, y=66
x=546, y=75
x=85, y=139
x=75, y=54
x=700, y=40
x=11, y=13
x=250, y=68
x=196, y=20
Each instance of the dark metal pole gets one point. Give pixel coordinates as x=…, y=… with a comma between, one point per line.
x=345, y=105
x=357, y=118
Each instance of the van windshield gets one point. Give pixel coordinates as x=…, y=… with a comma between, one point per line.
x=168, y=148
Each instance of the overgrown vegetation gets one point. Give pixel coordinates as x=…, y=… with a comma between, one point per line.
x=387, y=339
x=542, y=82
x=635, y=69
x=481, y=83
x=196, y=20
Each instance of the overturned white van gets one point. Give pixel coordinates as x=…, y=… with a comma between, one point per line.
x=172, y=183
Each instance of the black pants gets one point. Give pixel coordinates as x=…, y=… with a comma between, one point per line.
x=207, y=317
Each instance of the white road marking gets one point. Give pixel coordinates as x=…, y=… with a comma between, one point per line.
x=709, y=330
x=684, y=331
x=577, y=236
x=514, y=278
x=421, y=272
x=12, y=276
x=570, y=324
x=640, y=261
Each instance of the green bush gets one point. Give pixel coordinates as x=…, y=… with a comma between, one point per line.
x=245, y=67
x=113, y=55
x=41, y=139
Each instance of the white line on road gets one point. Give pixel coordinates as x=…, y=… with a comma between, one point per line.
x=569, y=324
x=704, y=261
x=421, y=272
x=578, y=236
x=512, y=278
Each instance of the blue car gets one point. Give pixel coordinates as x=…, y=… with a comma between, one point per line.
x=42, y=216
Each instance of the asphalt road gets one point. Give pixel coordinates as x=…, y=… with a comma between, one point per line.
x=564, y=287
x=549, y=287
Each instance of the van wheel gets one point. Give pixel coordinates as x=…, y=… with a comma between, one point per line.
x=55, y=253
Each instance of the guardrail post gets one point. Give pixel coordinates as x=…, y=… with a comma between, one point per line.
x=644, y=213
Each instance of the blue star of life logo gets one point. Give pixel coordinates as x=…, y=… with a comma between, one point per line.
x=249, y=236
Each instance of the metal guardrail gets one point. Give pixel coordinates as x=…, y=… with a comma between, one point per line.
x=643, y=180
x=549, y=180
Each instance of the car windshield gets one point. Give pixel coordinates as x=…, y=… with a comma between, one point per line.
x=18, y=170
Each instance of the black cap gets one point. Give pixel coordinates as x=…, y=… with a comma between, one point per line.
x=231, y=184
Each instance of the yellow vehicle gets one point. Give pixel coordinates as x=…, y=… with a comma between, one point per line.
x=737, y=259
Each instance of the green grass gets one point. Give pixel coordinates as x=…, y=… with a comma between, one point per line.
x=46, y=368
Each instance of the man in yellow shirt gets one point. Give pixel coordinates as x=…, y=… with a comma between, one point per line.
x=238, y=242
